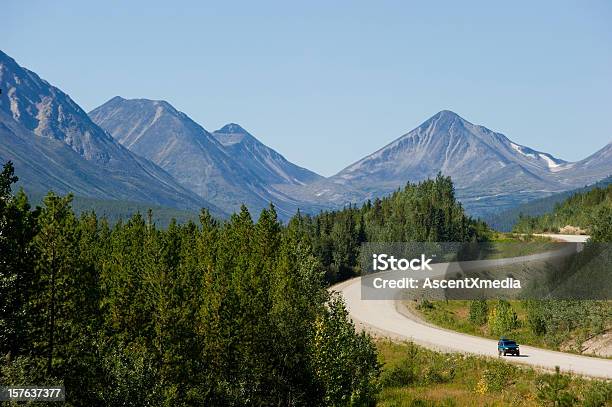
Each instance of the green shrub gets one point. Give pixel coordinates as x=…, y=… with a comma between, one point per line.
x=536, y=319
x=502, y=318
x=404, y=374
x=425, y=305
x=441, y=370
x=552, y=389
x=597, y=394
x=496, y=377
x=479, y=312
x=427, y=403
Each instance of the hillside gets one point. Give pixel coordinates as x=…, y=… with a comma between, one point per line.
x=504, y=221
x=584, y=210
x=490, y=171
x=422, y=212
x=229, y=167
x=55, y=145
x=116, y=210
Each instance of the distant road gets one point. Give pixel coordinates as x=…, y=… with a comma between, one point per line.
x=390, y=318
x=565, y=238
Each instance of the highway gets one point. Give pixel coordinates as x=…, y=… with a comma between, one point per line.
x=391, y=319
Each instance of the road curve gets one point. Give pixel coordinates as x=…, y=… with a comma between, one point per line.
x=386, y=317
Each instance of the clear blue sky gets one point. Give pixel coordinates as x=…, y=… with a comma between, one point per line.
x=326, y=84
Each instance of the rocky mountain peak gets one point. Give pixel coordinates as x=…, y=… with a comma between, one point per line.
x=232, y=128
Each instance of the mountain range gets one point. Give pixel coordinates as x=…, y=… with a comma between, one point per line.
x=228, y=167
x=490, y=172
x=55, y=145
x=148, y=151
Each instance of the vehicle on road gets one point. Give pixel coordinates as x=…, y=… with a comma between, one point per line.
x=507, y=347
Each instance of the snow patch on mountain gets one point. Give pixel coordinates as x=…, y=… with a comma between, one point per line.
x=549, y=161
x=519, y=149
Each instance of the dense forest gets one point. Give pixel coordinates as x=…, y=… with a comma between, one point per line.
x=590, y=211
x=114, y=211
x=231, y=312
x=423, y=212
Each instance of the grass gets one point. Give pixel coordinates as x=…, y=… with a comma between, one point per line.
x=454, y=315
x=573, y=326
x=415, y=376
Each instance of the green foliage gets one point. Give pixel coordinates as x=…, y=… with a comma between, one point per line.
x=597, y=394
x=496, y=378
x=336, y=349
x=590, y=210
x=479, y=312
x=601, y=225
x=536, y=317
x=418, y=367
x=114, y=211
x=553, y=324
x=232, y=313
x=556, y=319
x=476, y=381
x=425, y=304
x=504, y=221
x=17, y=230
x=552, y=389
x=424, y=212
x=405, y=372
x=502, y=318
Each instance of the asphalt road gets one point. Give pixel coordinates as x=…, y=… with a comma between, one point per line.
x=390, y=318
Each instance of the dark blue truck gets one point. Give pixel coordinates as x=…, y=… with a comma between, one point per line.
x=507, y=347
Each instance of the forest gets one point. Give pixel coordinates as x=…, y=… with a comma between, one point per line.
x=423, y=212
x=505, y=220
x=222, y=312
x=591, y=211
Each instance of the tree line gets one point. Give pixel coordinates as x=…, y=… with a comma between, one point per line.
x=590, y=211
x=232, y=312
x=423, y=212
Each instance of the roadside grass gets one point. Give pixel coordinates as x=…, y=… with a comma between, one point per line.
x=416, y=376
x=454, y=315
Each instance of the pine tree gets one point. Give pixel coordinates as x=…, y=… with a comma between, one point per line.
x=17, y=230
x=57, y=268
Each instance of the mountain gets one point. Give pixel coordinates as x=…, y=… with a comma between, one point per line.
x=229, y=168
x=147, y=151
x=266, y=163
x=490, y=171
x=595, y=166
x=55, y=145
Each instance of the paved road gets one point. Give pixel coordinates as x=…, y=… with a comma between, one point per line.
x=565, y=238
x=389, y=318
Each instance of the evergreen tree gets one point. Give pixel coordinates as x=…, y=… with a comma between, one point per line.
x=17, y=230
x=56, y=246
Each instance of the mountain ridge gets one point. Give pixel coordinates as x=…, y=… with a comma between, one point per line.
x=243, y=171
x=149, y=151
x=490, y=171
x=266, y=162
x=55, y=145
